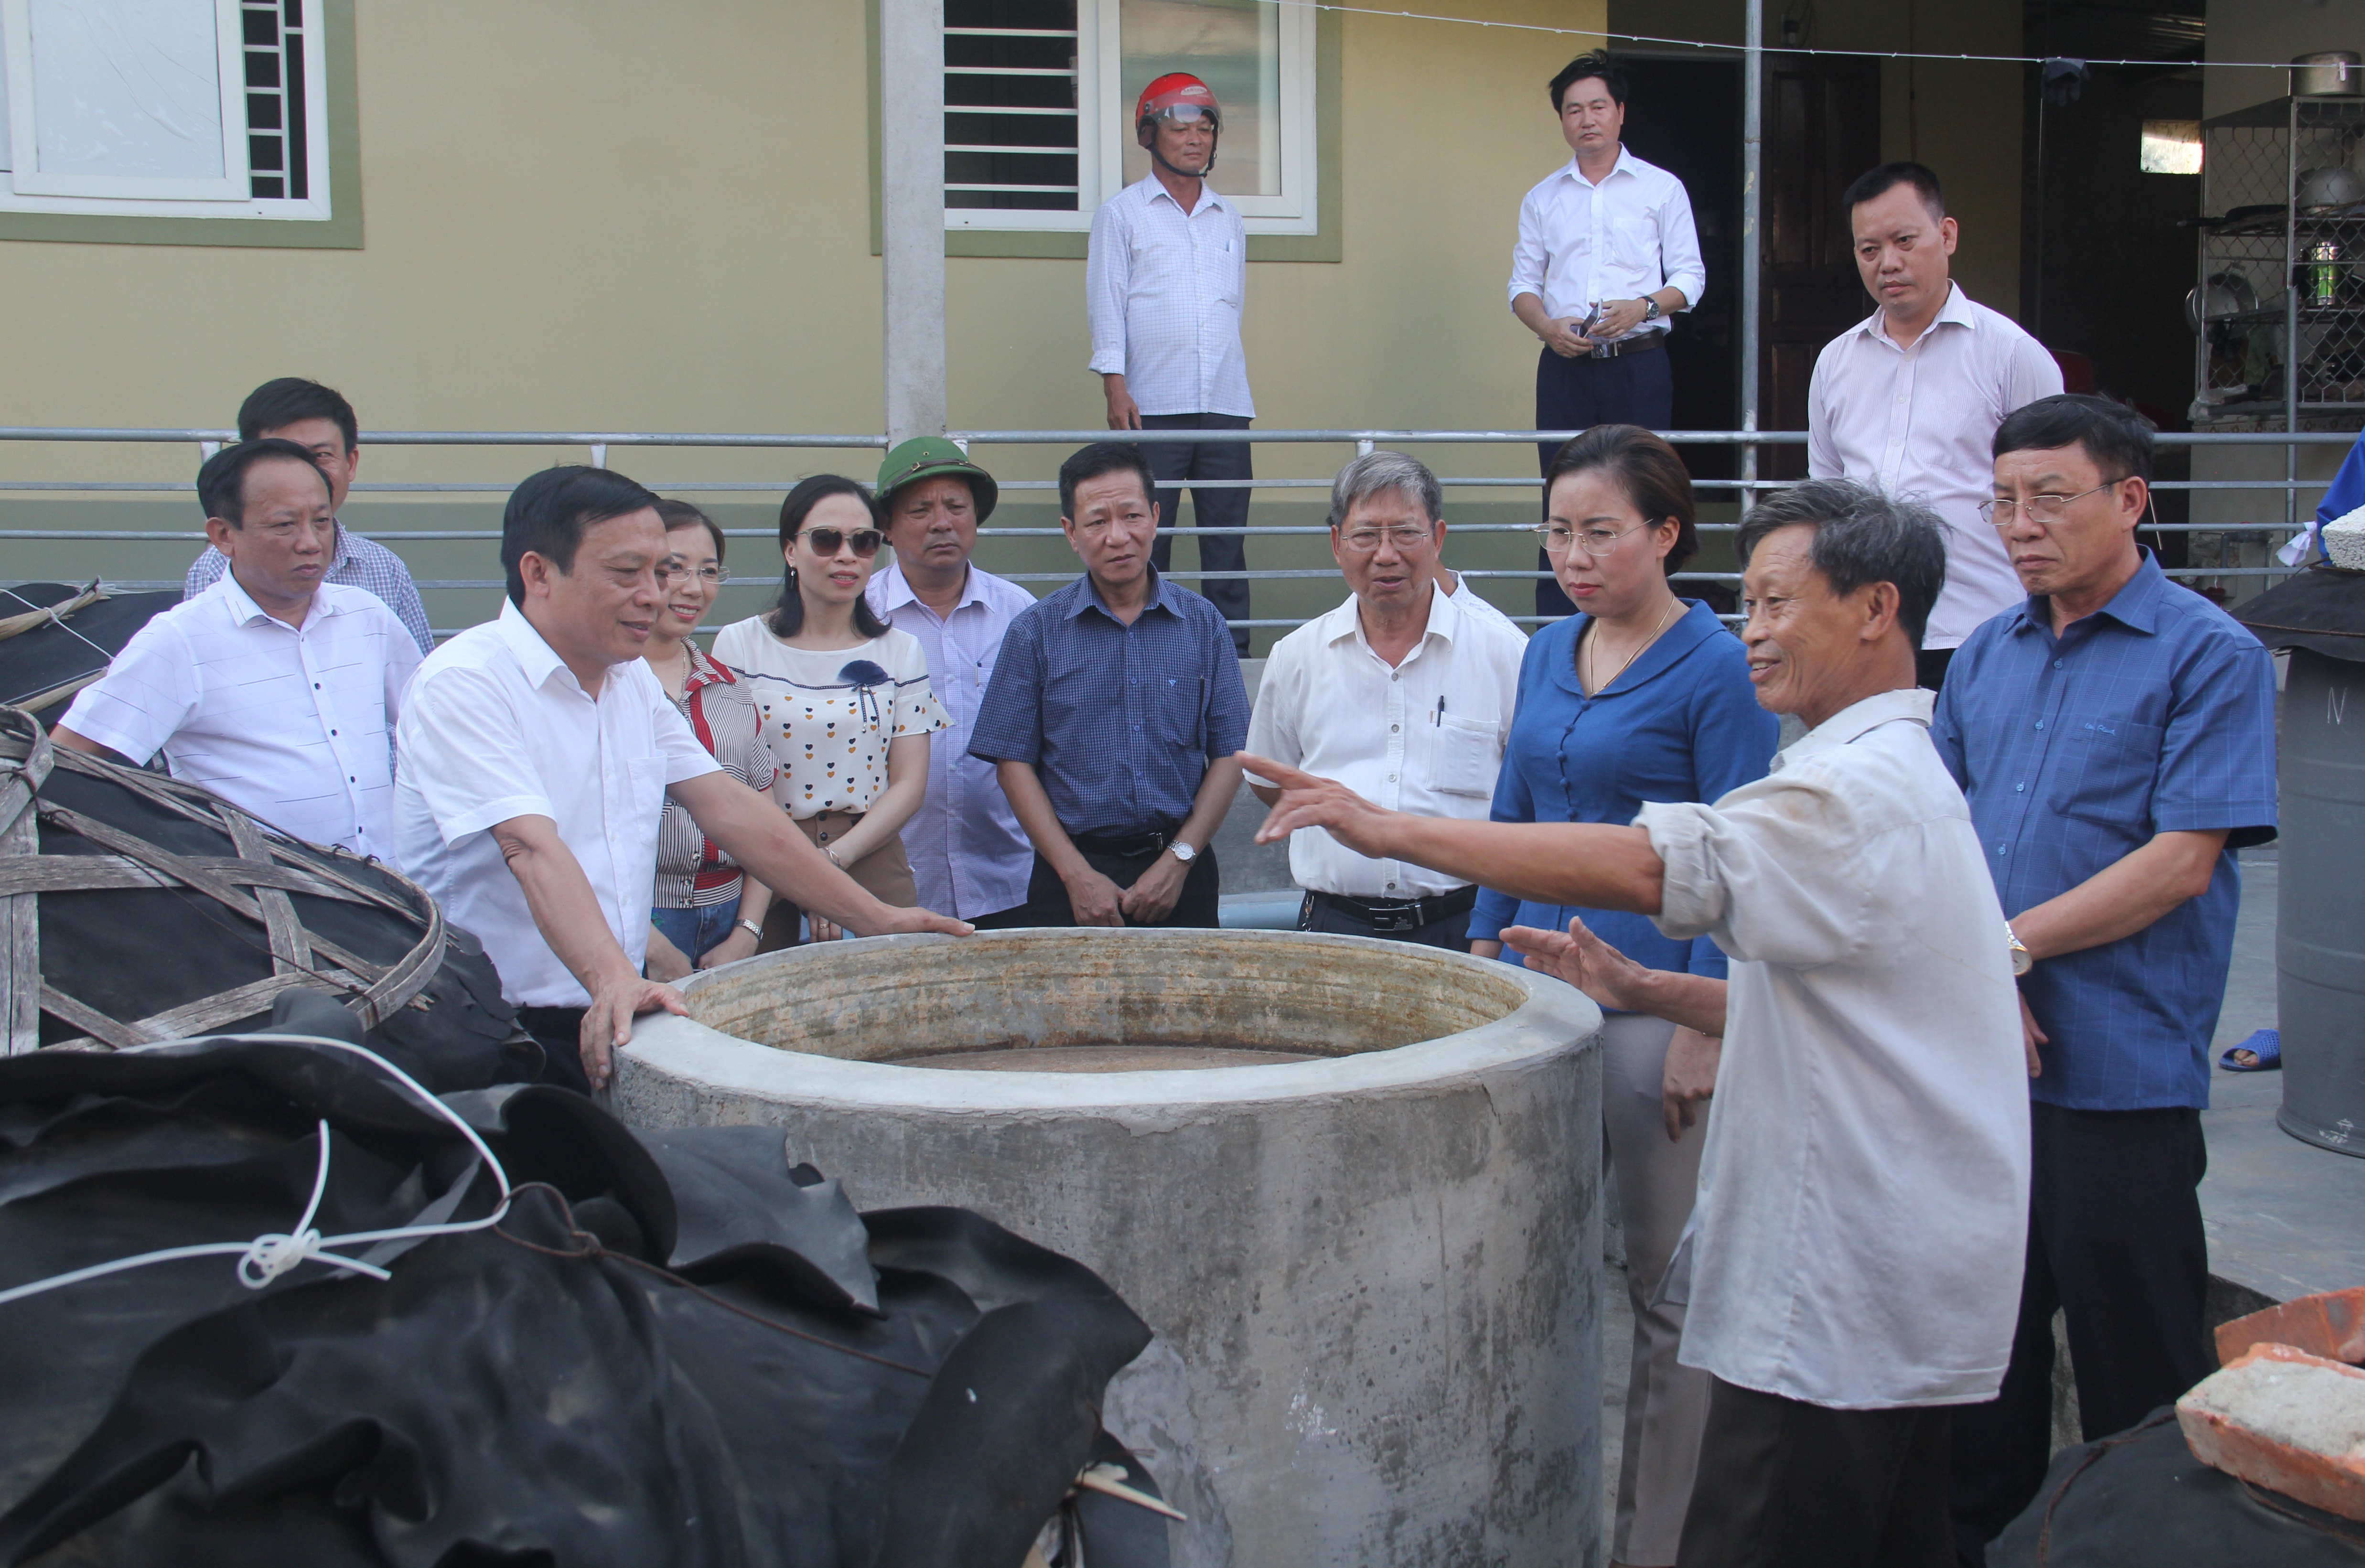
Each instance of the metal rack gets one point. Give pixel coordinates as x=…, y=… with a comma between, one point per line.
x=2274, y=270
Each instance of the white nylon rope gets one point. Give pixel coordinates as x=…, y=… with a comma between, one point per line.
x=267, y=1257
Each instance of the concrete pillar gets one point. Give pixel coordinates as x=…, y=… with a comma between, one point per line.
x=912, y=181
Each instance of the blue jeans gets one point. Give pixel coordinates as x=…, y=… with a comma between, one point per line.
x=696, y=930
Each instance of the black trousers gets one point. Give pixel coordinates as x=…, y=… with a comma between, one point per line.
x=559, y=1032
x=2114, y=1241
x=1047, y=896
x=1176, y=464
x=1930, y=667
x=1577, y=394
x=1787, y=1485
x=1317, y=912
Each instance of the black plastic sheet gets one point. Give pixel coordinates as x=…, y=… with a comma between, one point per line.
x=677, y=1350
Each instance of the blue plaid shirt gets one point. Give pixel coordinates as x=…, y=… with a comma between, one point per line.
x=359, y=563
x=2155, y=714
x=1120, y=721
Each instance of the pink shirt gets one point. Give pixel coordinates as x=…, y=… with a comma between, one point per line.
x=1919, y=422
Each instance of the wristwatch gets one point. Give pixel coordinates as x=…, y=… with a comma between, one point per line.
x=1182, y=852
x=1650, y=309
x=751, y=928
x=2022, y=960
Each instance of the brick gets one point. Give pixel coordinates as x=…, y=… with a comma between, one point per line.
x=2281, y=1419
x=2331, y=1325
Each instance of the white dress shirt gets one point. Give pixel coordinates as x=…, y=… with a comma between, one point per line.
x=497, y=726
x=969, y=855
x=1873, y=416
x=288, y=724
x=1425, y=736
x=1465, y=598
x=1162, y=292
x=1863, y=1202
x=1630, y=235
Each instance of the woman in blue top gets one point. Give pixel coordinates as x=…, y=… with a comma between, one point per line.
x=1640, y=697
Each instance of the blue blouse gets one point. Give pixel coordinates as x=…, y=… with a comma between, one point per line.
x=1681, y=723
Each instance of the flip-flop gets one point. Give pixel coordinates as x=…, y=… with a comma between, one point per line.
x=2264, y=1049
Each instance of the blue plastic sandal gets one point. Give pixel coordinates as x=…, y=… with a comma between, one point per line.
x=2264, y=1049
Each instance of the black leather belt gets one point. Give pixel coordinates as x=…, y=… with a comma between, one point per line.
x=1400, y=914
x=1649, y=342
x=1129, y=848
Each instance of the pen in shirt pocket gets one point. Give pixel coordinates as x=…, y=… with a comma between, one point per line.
x=1438, y=720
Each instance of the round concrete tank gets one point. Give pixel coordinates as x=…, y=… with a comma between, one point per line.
x=1373, y=1259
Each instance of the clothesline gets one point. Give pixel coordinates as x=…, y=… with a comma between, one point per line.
x=1774, y=49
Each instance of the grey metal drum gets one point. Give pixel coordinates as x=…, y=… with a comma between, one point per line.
x=2320, y=921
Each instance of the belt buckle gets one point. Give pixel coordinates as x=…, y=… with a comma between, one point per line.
x=1396, y=920
x=1604, y=349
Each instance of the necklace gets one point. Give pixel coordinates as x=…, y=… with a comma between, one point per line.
x=1593, y=645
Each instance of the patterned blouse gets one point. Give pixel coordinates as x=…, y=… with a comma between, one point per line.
x=830, y=716
x=692, y=871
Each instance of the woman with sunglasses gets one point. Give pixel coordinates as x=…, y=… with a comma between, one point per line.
x=1641, y=696
x=844, y=698
x=705, y=910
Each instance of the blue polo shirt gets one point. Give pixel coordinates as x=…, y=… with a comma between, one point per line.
x=1681, y=723
x=1120, y=721
x=2155, y=714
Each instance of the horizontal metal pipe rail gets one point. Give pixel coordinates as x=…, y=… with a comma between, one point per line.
x=599, y=441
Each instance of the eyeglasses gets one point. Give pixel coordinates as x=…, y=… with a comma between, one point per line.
x=710, y=576
x=1591, y=543
x=2044, y=511
x=826, y=541
x=1364, y=540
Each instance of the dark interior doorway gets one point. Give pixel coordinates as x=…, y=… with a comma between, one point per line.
x=1685, y=116
x=1822, y=129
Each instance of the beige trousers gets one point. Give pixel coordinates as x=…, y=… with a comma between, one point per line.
x=1666, y=1404
x=885, y=874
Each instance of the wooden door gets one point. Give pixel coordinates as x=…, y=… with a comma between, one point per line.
x=1822, y=130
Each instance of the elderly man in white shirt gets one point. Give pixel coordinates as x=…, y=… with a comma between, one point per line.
x=1607, y=255
x=1401, y=694
x=1909, y=399
x=1165, y=272
x=970, y=857
x=1855, y=1254
x=538, y=750
x=273, y=688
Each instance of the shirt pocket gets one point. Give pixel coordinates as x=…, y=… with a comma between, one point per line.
x=2104, y=771
x=1463, y=757
x=1182, y=717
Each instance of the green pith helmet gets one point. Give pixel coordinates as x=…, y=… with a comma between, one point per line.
x=927, y=456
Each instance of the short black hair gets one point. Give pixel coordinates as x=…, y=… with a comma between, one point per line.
x=1861, y=536
x=1648, y=469
x=275, y=405
x=548, y=513
x=1888, y=176
x=2116, y=437
x=1593, y=63
x=681, y=514
x=221, y=483
x=1101, y=458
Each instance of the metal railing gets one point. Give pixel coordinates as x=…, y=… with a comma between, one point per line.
x=599, y=445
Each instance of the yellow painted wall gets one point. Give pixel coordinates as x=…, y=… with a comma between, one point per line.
x=618, y=216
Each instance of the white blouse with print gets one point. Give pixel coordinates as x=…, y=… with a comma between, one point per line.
x=830, y=716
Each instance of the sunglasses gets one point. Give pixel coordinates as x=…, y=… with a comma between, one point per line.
x=825, y=541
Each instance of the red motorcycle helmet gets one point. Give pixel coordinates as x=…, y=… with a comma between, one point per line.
x=1177, y=95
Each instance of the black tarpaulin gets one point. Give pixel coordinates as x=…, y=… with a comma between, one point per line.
x=2321, y=610
x=681, y=1351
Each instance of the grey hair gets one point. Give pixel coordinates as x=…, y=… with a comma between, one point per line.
x=1861, y=536
x=1378, y=473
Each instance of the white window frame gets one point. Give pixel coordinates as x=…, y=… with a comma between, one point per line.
x=1103, y=132
x=25, y=190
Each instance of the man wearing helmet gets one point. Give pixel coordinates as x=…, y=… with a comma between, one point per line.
x=1163, y=281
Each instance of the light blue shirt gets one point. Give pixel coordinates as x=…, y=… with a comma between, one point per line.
x=969, y=857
